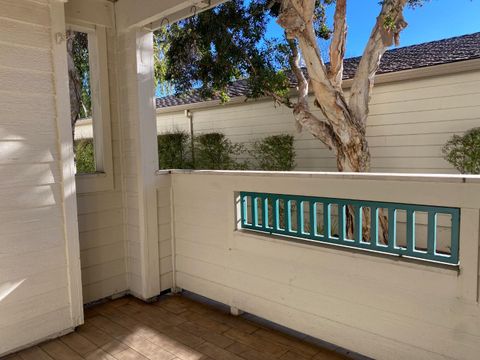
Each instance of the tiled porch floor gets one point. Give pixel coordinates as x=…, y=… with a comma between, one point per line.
x=176, y=327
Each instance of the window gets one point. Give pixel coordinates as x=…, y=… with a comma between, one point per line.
x=90, y=112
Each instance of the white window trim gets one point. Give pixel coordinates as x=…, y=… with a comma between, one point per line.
x=102, y=179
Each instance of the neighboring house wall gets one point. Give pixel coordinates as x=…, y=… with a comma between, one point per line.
x=409, y=122
x=83, y=129
x=36, y=297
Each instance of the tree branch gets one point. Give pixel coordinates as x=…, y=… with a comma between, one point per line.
x=322, y=130
x=386, y=31
x=337, y=45
x=302, y=81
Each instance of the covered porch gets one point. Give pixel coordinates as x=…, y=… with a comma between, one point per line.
x=177, y=327
x=234, y=237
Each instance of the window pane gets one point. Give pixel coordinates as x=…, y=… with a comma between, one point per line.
x=81, y=101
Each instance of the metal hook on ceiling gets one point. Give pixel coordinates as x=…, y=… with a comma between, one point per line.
x=193, y=10
x=165, y=21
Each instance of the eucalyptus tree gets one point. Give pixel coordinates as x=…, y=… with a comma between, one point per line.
x=214, y=48
x=229, y=42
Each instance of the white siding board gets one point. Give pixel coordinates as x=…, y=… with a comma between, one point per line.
x=24, y=34
x=102, y=255
x=352, y=299
x=422, y=112
x=26, y=175
x=104, y=288
x=25, y=58
x=52, y=259
x=36, y=284
x=101, y=237
x=28, y=308
x=42, y=326
x=26, y=11
x=29, y=220
x=38, y=82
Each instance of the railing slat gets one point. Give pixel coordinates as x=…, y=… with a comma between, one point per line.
x=373, y=227
x=288, y=215
x=410, y=232
x=254, y=210
x=326, y=221
x=276, y=214
x=341, y=222
x=358, y=224
x=244, y=208
x=313, y=219
x=392, y=228
x=432, y=233
x=271, y=203
x=264, y=213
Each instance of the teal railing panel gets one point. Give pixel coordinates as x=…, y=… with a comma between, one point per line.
x=275, y=213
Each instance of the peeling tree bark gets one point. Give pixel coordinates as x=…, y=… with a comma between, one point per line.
x=344, y=128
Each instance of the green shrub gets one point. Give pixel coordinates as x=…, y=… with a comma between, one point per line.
x=174, y=150
x=274, y=153
x=84, y=156
x=463, y=152
x=215, y=151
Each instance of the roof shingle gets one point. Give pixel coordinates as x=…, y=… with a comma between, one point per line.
x=432, y=53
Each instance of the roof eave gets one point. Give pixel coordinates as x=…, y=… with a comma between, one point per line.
x=417, y=73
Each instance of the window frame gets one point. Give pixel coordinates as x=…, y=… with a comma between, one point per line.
x=102, y=178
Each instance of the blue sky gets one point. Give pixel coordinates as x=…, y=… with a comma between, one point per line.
x=437, y=19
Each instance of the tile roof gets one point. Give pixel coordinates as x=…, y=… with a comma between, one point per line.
x=444, y=51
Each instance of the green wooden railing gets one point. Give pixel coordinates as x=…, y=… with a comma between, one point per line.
x=324, y=220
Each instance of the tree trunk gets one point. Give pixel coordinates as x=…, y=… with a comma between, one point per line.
x=75, y=85
x=343, y=128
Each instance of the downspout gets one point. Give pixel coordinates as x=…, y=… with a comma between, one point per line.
x=189, y=116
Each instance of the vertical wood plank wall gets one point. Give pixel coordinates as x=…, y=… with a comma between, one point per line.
x=409, y=122
x=34, y=283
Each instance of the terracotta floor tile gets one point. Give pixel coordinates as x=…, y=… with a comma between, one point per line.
x=34, y=353
x=78, y=343
x=175, y=328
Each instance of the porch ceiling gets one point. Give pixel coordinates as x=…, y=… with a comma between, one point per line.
x=153, y=13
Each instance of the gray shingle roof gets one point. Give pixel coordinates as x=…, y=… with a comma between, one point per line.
x=432, y=53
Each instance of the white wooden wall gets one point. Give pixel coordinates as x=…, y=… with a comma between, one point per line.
x=35, y=260
x=409, y=123
x=165, y=228
x=375, y=305
x=101, y=215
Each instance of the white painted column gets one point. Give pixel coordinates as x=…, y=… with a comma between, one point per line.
x=65, y=145
x=147, y=163
x=137, y=112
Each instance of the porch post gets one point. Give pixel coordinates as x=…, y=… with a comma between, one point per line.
x=137, y=113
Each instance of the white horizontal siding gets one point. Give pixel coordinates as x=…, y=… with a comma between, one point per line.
x=34, y=284
x=101, y=216
x=165, y=232
x=374, y=305
x=409, y=122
